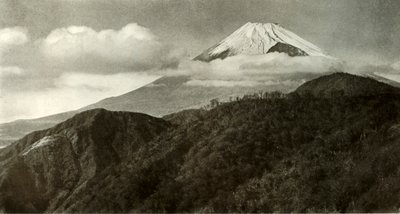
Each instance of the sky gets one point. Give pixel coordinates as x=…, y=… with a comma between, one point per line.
x=62, y=55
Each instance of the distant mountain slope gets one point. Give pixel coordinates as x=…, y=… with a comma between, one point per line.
x=346, y=84
x=266, y=153
x=383, y=79
x=260, y=38
x=172, y=93
x=15, y=130
x=161, y=97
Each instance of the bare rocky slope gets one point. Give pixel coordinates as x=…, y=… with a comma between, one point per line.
x=271, y=152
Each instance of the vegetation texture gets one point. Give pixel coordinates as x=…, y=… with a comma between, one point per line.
x=267, y=152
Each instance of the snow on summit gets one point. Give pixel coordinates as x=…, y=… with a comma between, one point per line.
x=260, y=38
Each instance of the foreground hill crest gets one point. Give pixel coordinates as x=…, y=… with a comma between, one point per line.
x=259, y=153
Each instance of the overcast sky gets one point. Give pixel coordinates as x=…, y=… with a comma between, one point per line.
x=341, y=27
x=61, y=55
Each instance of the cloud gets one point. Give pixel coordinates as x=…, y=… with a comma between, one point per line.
x=389, y=71
x=237, y=83
x=396, y=66
x=133, y=47
x=10, y=71
x=112, y=84
x=71, y=91
x=274, y=68
x=222, y=83
x=8, y=77
x=75, y=66
x=11, y=38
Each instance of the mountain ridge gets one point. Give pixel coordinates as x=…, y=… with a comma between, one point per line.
x=52, y=162
x=261, y=153
x=345, y=84
x=170, y=94
x=14, y=130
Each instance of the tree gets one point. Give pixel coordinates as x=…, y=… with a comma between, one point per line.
x=214, y=103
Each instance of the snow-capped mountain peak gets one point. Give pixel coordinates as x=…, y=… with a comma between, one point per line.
x=260, y=38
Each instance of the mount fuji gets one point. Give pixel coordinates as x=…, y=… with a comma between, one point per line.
x=260, y=38
x=170, y=94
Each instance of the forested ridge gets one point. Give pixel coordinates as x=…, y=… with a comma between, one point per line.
x=266, y=152
x=292, y=153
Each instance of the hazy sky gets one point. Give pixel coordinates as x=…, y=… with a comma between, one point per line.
x=61, y=55
x=342, y=27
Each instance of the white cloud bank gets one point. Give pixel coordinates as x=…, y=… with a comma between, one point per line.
x=73, y=90
x=13, y=36
x=247, y=71
x=75, y=66
x=391, y=72
x=10, y=71
x=133, y=47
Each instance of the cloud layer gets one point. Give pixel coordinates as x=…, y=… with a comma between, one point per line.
x=132, y=47
x=274, y=68
x=75, y=66
x=387, y=71
x=72, y=91
x=13, y=36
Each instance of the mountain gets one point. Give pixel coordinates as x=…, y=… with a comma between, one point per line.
x=164, y=96
x=260, y=38
x=173, y=93
x=262, y=153
x=347, y=85
x=12, y=131
x=50, y=169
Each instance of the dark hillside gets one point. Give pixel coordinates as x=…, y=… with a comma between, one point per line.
x=345, y=84
x=291, y=154
x=53, y=169
x=262, y=153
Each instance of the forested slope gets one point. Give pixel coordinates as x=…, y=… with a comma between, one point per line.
x=266, y=152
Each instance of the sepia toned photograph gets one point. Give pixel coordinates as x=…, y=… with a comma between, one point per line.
x=199, y=106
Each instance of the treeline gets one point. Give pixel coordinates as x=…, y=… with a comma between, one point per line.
x=273, y=95
x=261, y=95
x=285, y=153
